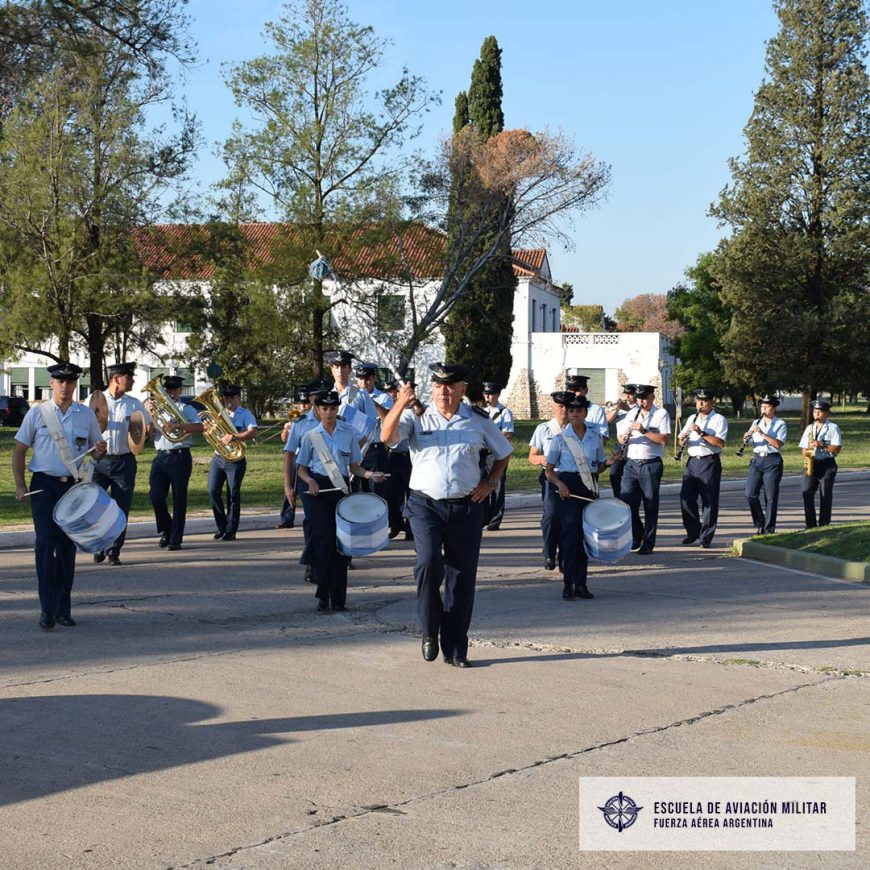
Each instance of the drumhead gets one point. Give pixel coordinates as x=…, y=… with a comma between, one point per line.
x=77, y=502
x=361, y=507
x=606, y=514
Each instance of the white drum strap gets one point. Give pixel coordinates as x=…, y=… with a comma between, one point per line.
x=351, y=395
x=59, y=438
x=328, y=461
x=555, y=427
x=582, y=465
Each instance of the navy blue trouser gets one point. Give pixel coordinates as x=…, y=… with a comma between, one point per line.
x=640, y=483
x=550, y=527
x=495, y=508
x=117, y=475
x=397, y=488
x=616, y=472
x=824, y=474
x=575, y=562
x=55, y=552
x=374, y=460
x=701, y=480
x=447, y=538
x=765, y=472
x=330, y=566
x=288, y=510
x=221, y=472
x=170, y=470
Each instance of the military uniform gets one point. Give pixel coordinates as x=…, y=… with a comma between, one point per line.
x=765, y=469
x=703, y=474
x=222, y=473
x=375, y=453
x=541, y=439
x=171, y=470
x=643, y=470
x=577, y=468
x=398, y=485
x=617, y=466
x=503, y=418
x=446, y=522
x=55, y=552
x=824, y=467
x=116, y=471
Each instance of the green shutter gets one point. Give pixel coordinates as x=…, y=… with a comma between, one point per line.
x=596, y=385
x=42, y=378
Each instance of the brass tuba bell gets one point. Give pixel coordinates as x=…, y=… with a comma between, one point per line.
x=164, y=410
x=216, y=424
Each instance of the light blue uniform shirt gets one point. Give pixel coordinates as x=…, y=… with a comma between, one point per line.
x=542, y=437
x=161, y=442
x=597, y=419
x=242, y=419
x=362, y=401
x=79, y=425
x=776, y=428
x=382, y=398
x=445, y=454
x=827, y=431
x=502, y=416
x=304, y=424
x=559, y=456
x=343, y=444
x=118, y=427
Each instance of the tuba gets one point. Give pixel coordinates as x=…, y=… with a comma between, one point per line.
x=217, y=423
x=164, y=410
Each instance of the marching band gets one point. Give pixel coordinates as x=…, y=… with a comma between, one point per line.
x=437, y=470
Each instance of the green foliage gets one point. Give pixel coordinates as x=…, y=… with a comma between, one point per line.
x=794, y=272
x=566, y=294
x=647, y=312
x=460, y=114
x=479, y=329
x=586, y=318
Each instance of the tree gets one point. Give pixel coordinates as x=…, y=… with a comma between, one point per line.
x=586, y=318
x=479, y=329
x=318, y=152
x=77, y=178
x=647, y=312
x=566, y=294
x=795, y=268
x=699, y=309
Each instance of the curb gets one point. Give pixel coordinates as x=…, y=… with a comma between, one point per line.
x=814, y=563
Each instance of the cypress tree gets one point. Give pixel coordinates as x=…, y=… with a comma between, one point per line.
x=479, y=329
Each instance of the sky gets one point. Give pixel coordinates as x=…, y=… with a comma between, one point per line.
x=660, y=91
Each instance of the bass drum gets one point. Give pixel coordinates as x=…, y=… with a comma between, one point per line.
x=607, y=530
x=89, y=517
x=361, y=524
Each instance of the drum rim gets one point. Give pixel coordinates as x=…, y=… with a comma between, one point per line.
x=367, y=496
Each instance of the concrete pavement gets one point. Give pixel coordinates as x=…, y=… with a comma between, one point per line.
x=202, y=715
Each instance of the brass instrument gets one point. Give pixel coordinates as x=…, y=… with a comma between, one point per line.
x=216, y=424
x=747, y=438
x=164, y=411
x=810, y=462
x=98, y=404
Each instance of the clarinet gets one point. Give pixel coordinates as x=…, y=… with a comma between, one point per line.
x=678, y=456
x=747, y=438
x=621, y=447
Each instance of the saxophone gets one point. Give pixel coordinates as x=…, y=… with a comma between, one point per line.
x=164, y=411
x=217, y=423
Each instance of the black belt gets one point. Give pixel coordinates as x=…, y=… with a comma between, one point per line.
x=65, y=479
x=462, y=500
x=646, y=461
x=175, y=450
x=116, y=455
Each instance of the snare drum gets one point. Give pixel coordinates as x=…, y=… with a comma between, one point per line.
x=607, y=530
x=361, y=524
x=89, y=517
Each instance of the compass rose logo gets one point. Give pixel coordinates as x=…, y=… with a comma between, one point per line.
x=620, y=812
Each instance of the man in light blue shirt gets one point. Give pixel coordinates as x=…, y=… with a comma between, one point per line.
x=503, y=418
x=52, y=479
x=172, y=466
x=445, y=507
x=767, y=435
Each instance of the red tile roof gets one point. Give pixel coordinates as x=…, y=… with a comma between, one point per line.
x=177, y=251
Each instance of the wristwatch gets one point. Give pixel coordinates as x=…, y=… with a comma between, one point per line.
x=643, y=430
x=492, y=482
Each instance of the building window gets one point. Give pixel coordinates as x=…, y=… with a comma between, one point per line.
x=182, y=326
x=391, y=313
x=555, y=326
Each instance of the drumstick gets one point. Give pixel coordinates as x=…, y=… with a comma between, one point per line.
x=581, y=497
x=331, y=489
x=83, y=455
x=33, y=492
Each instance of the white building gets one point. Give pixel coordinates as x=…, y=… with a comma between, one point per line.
x=377, y=311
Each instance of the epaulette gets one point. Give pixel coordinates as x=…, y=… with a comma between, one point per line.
x=478, y=410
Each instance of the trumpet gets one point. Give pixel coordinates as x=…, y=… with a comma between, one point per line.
x=747, y=438
x=216, y=424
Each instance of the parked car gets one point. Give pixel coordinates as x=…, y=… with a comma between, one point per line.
x=12, y=410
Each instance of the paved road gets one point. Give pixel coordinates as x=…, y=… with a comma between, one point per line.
x=202, y=715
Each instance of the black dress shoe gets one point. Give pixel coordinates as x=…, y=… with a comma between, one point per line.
x=705, y=545
x=582, y=591
x=218, y=534
x=394, y=533
x=174, y=547
x=46, y=621
x=164, y=541
x=350, y=565
x=759, y=530
x=550, y=564
x=493, y=528
x=409, y=536
x=66, y=621
x=322, y=606
x=635, y=545
x=644, y=551
x=309, y=575
x=339, y=607
x=686, y=541
x=229, y=536
x=568, y=593
x=99, y=557
x=461, y=662
x=430, y=648
x=114, y=559
x=284, y=526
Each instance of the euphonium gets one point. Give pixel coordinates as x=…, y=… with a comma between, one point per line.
x=216, y=423
x=164, y=410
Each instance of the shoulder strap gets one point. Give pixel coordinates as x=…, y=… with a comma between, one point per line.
x=327, y=460
x=58, y=438
x=555, y=428
x=576, y=450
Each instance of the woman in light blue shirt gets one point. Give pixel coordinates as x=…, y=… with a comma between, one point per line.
x=578, y=455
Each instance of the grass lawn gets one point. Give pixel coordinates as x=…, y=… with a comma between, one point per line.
x=264, y=480
x=850, y=541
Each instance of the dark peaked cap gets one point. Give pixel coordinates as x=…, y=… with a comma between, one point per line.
x=123, y=368
x=339, y=358
x=172, y=382
x=65, y=371
x=447, y=374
